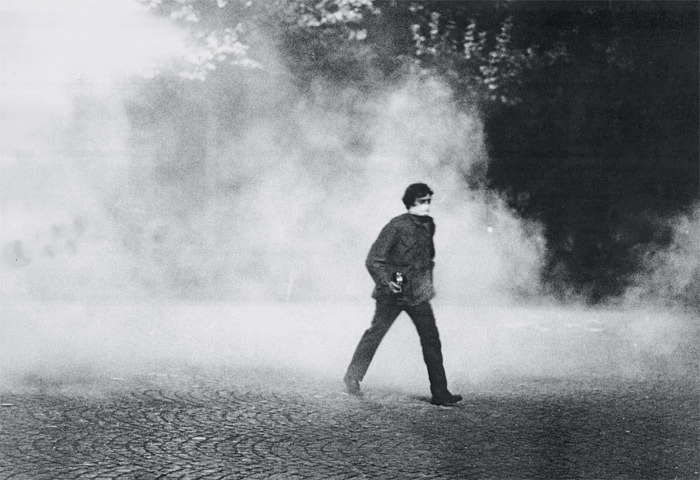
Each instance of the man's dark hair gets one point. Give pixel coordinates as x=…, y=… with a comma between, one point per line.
x=415, y=191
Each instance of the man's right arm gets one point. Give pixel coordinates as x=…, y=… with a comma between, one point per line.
x=377, y=259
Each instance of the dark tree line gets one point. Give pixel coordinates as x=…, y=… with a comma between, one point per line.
x=591, y=107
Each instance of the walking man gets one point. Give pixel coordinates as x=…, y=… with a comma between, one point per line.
x=401, y=265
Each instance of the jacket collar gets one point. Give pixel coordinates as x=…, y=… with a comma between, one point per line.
x=418, y=222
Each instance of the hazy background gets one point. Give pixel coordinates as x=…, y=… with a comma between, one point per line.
x=150, y=220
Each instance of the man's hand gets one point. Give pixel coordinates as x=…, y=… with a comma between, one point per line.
x=395, y=287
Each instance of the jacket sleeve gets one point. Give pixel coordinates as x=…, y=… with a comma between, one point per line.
x=376, y=262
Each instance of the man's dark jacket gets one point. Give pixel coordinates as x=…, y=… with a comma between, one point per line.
x=404, y=245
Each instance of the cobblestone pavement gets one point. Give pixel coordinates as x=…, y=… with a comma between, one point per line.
x=275, y=424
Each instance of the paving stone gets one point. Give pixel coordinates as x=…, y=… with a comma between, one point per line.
x=206, y=425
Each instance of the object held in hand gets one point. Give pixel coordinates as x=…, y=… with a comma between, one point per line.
x=398, y=282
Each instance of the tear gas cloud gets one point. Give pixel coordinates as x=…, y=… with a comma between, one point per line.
x=284, y=204
x=672, y=274
x=237, y=234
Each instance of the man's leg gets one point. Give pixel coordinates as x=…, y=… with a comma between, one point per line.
x=424, y=320
x=384, y=316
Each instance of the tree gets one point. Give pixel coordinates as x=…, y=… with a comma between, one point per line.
x=238, y=31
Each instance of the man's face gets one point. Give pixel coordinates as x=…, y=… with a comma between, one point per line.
x=421, y=206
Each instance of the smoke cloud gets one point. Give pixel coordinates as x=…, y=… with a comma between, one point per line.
x=284, y=204
x=671, y=275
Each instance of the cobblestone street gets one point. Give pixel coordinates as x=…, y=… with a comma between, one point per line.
x=276, y=424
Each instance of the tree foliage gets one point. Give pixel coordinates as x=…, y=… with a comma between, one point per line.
x=228, y=31
x=484, y=65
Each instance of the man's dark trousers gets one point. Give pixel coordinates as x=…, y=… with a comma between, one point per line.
x=423, y=318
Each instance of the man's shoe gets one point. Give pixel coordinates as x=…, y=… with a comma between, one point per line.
x=353, y=386
x=446, y=399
